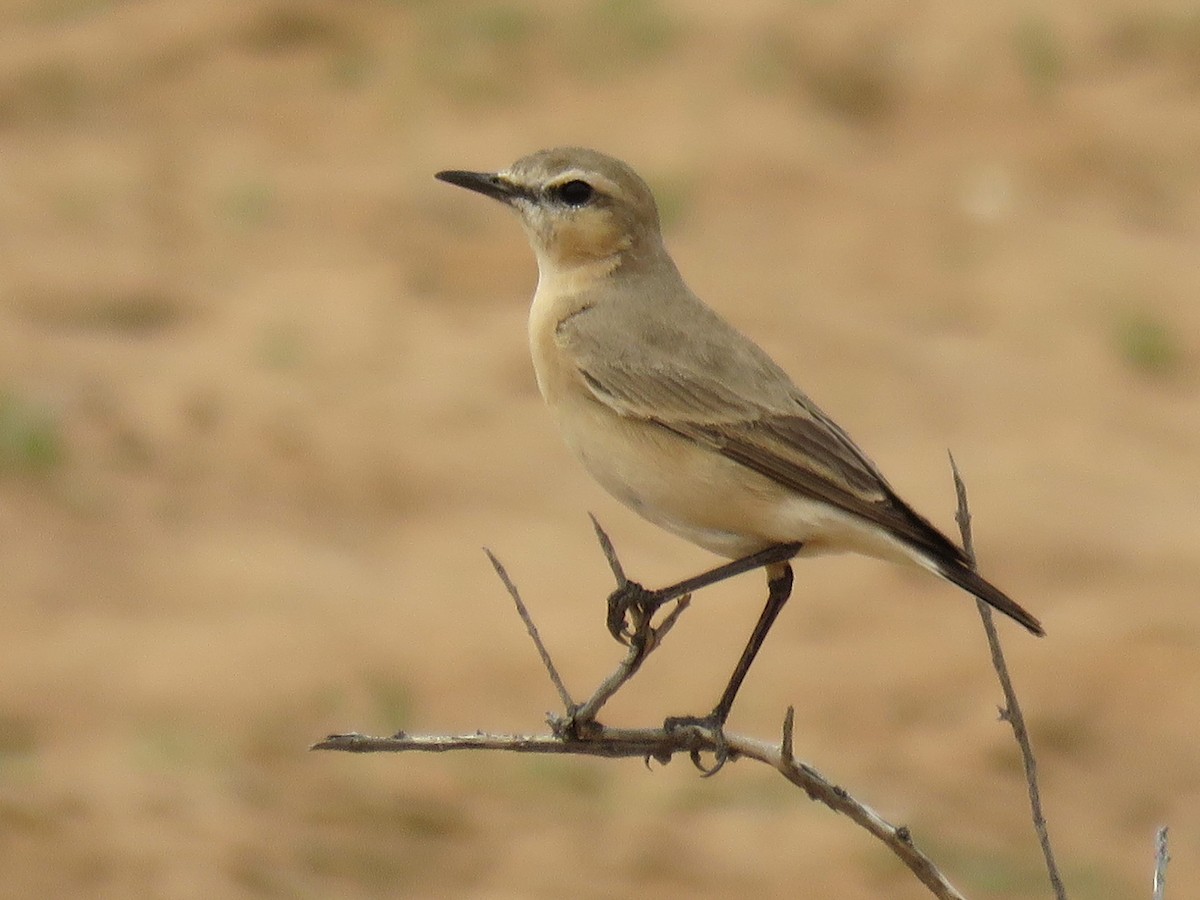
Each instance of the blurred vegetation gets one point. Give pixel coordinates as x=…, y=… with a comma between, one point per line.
x=1040, y=54
x=1142, y=35
x=31, y=435
x=18, y=737
x=1148, y=343
x=249, y=204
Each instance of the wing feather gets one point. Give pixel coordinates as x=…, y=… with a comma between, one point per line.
x=712, y=385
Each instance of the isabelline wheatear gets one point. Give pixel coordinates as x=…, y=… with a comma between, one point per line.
x=681, y=417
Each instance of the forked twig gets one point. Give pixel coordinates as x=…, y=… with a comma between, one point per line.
x=627, y=668
x=1011, y=711
x=578, y=733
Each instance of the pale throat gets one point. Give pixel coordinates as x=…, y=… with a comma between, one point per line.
x=562, y=281
x=562, y=290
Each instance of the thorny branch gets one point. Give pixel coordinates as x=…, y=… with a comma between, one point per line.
x=577, y=732
x=661, y=745
x=1011, y=711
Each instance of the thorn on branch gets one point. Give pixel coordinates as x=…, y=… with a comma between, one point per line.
x=962, y=515
x=523, y=612
x=610, y=552
x=786, y=746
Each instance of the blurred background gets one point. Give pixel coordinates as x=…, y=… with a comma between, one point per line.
x=264, y=393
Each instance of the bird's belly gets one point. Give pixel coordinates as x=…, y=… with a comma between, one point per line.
x=683, y=487
x=696, y=493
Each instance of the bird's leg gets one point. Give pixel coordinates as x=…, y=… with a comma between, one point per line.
x=779, y=588
x=631, y=606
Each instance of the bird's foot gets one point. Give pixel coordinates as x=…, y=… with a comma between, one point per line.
x=712, y=727
x=630, y=608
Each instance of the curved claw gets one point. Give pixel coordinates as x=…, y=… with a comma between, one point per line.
x=710, y=724
x=720, y=757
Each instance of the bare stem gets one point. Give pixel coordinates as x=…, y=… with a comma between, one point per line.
x=1011, y=712
x=578, y=733
x=628, y=667
x=661, y=745
x=1161, y=858
x=523, y=612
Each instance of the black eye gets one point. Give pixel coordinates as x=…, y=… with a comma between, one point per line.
x=574, y=193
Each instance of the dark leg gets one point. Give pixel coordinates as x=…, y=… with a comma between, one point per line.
x=631, y=594
x=779, y=583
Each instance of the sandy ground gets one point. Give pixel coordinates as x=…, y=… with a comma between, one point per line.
x=264, y=393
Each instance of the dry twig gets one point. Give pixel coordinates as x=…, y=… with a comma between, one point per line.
x=530, y=627
x=1011, y=711
x=577, y=732
x=1161, y=858
x=661, y=745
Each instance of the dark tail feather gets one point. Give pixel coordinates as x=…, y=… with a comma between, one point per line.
x=972, y=581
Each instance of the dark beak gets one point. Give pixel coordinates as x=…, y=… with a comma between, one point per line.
x=486, y=183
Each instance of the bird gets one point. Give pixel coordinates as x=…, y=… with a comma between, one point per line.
x=680, y=416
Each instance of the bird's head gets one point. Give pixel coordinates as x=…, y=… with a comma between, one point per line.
x=578, y=206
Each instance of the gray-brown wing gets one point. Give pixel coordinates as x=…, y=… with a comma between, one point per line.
x=714, y=386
